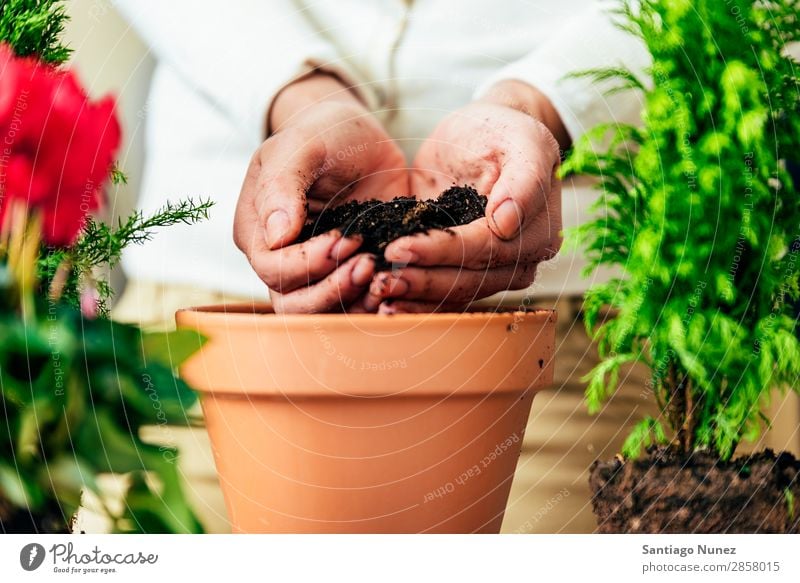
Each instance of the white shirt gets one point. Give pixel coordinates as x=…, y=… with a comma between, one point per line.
x=221, y=63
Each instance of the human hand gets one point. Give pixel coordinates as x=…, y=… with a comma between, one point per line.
x=328, y=146
x=501, y=146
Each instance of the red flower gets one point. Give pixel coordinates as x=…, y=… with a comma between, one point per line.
x=56, y=146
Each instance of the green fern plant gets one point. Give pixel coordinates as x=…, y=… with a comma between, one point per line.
x=700, y=217
x=99, y=249
x=34, y=27
x=76, y=391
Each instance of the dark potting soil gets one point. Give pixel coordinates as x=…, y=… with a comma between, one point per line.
x=670, y=493
x=381, y=222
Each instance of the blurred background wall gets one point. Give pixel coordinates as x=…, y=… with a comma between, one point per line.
x=110, y=58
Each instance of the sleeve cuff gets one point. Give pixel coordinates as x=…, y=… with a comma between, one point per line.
x=351, y=79
x=574, y=106
x=582, y=103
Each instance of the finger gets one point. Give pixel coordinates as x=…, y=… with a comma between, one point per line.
x=334, y=293
x=522, y=189
x=475, y=246
x=516, y=197
x=552, y=226
x=359, y=307
x=298, y=265
x=407, y=307
x=248, y=232
x=472, y=246
x=449, y=284
x=289, y=167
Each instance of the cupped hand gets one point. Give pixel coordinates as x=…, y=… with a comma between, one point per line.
x=512, y=157
x=328, y=152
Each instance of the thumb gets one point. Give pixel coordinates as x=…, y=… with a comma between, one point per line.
x=286, y=175
x=519, y=193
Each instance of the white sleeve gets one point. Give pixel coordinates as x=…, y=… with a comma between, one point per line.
x=590, y=40
x=238, y=54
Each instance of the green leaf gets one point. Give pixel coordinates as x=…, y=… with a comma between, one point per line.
x=726, y=434
x=725, y=288
x=68, y=475
x=107, y=341
x=110, y=448
x=618, y=78
x=15, y=486
x=171, y=348
x=34, y=27
x=118, y=176
x=645, y=433
x=169, y=396
x=161, y=509
x=34, y=421
x=603, y=379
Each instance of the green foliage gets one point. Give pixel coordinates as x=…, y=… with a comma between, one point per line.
x=118, y=176
x=605, y=375
x=34, y=27
x=101, y=245
x=698, y=213
x=75, y=394
x=647, y=432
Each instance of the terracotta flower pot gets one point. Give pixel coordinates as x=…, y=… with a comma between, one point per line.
x=364, y=423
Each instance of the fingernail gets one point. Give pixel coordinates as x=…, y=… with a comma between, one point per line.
x=371, y=302
x=507, y=219
x=401, y=255
x=362, y=271
x=277, y=226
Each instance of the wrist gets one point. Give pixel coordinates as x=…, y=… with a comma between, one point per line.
x=290, y=103
x=527, y=99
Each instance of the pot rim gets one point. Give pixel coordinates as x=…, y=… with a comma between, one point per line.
x=248, y=314
x=253, y=329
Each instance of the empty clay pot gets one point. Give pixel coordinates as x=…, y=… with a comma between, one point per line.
x=336, y=423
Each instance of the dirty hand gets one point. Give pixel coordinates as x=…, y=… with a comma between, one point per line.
x=327, y=146
x=506, y=145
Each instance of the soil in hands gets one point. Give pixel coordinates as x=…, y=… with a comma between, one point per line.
x=666, y=492
x=380, y=222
